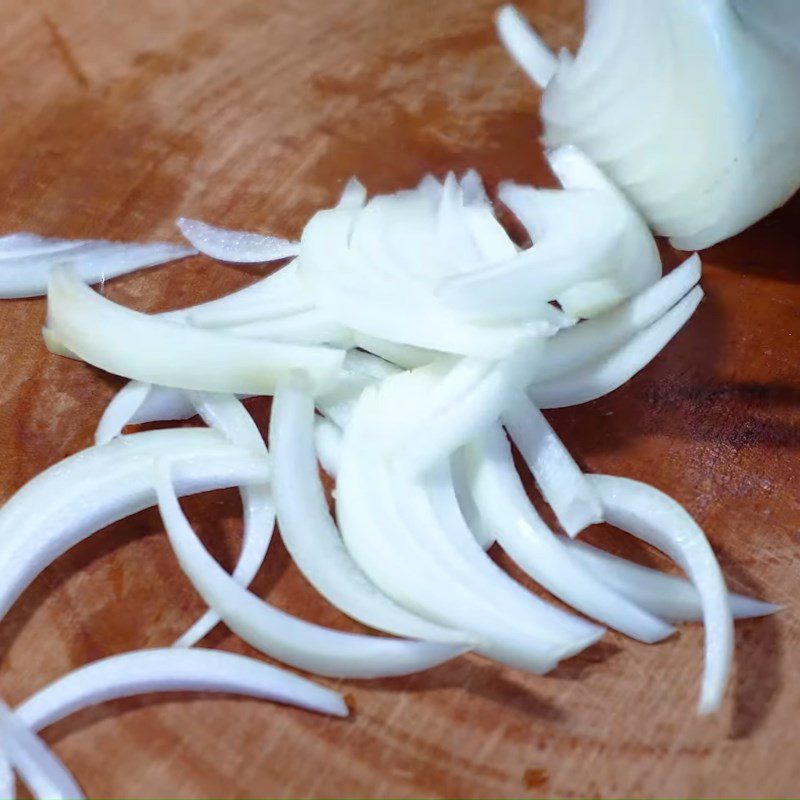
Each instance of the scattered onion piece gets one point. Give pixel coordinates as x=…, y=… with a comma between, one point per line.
x=293, y=641
x=26, y=260
x=559, y=478
x=82, y=494
x=310, y=534
x=236, y=247
x=125, y=342
x=173, y=670
x=610, y=373
x=650, y=515
x=40, y=769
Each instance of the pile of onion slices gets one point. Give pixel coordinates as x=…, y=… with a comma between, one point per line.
x=407, y=344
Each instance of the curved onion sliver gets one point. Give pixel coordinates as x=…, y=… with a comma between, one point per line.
x=155, y=350
x=311, y=535
x=227, y=414
x=657, y=519
x=38, y=766
x=82, y=494
x=237, y=247
x=508, y=514
x=26, y=260
x=580, y=346
x=561, y=481
x=611, y=372
x=669, y=597
x=173, y=670
x=288, y=639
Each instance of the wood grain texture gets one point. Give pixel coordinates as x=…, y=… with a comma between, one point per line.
x=115, y=118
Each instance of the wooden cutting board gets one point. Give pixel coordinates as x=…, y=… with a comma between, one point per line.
x=117, y=117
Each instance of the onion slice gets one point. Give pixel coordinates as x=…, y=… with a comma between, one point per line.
x=8, y=780
x=311, y=535
x=669, y=597
x=226, y=414
x=84, y=493
x=284, y=637
x=125, y=342
x=616, y=369
x=657, y=519
x=508, y=515
x=26, y=260
x=399, y=560
x=561, y=481
x=236, y=247
x=580, y=346
x=525, y=46
x=173, y=670
x=40, y=769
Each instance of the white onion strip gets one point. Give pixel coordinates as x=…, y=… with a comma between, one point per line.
x=396, y=557
x=84, y=493
x=279, y=294
x=611, y=372
x=8, y=780
x=558, y=477
x=237, y=247
x=40, y=769
x=170, y=670
x=582, y=345
x=310, y=534
x=657, y=519
x=227, y=414
x=508, y=514
x=669, y=597
x=525, y=46
x=434, y=510
x=26, y=260
x=284, y=637
x=328, y=444
x=122, y=409
x=155, y=350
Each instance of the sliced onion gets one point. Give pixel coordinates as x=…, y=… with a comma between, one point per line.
x=237, y=247
x=354, y=195
x=279, y=294
x=310, y=534
x=397, y=559
x=582, y=345
x=560, y=480
x=170, y=670
x=304, y=327
x=525, y=46
x=125, y=342
x=328, y=445
x=288, y=639
x=26, y=260
x=226, y=414
x=122, y=409
x=8, y=781
x=611, y=372
x=650, y=515
x=88, y=491
x=667, y=596
x=39, y=767
x=455, y=402
x=511, y=519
